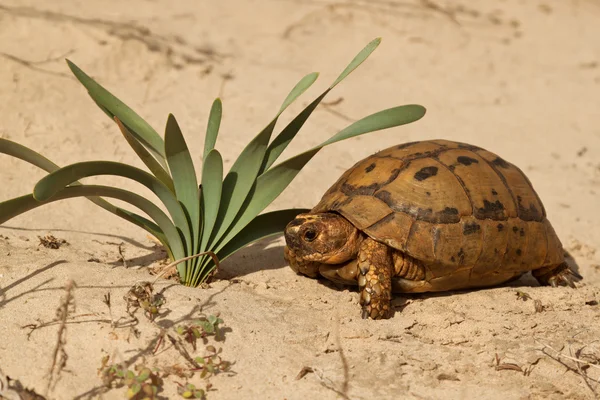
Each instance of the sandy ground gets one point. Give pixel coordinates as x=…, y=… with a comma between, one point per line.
x=519, y=78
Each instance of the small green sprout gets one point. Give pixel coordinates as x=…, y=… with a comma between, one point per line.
x=212, y=363
x=200, y=329
x=141, y=295
x=143, y=385
x=190, y=391
x=522, y=295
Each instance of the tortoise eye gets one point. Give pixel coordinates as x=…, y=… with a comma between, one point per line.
x=310, y=235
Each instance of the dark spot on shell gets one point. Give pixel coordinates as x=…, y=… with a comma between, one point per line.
x=386, y=197
x=426, y=172
x=452, y=259
x=500, y=227
x=494, y=192
x=405, y=145
x=424, y=214
x=370, y=168
x=448, y=215
x=515, y=229
x=417, y=154
x=522, y=232
x=491, y=210
x=351, y=190
x=470, y=228
x=339, y=203
x=428, y=193
x=464, y=160
x=519, y=252
x=500, y=163
x=528, y=214
x=451, y=168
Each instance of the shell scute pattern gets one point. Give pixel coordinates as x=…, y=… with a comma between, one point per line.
x=489, y=196
x=455, y=206
x=528, y=204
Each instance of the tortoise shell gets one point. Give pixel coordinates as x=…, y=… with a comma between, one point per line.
x=457, y=207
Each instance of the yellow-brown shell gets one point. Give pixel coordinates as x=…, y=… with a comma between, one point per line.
x=450, y=205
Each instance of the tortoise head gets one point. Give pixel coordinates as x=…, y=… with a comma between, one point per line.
x=323, y=237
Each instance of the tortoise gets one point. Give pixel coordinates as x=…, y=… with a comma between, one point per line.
x=427, y=216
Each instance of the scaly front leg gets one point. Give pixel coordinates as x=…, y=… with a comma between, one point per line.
x=375, y=279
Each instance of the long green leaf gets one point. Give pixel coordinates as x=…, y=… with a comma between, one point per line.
x=212, y=128
x=25, y=203
x=186, y=184
x=279, y=144
x=138, y=126
x=19, y=205
x=212, y=184
x=271, y=183
x=360, y=57
x=300, y=88
x=239, y=180
x=56, y=181
x=23, y=153
x=284, y=138
x=154, y=166
x=265, y=225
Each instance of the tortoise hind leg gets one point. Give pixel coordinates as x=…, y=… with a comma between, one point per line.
x=556, y=275
x=375, y=279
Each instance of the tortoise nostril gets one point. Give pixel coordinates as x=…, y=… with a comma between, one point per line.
x=296, y=222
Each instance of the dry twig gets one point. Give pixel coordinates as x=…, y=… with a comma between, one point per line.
x=559, y=354
x=578, y=362
x=167, y=268
x=59, y=355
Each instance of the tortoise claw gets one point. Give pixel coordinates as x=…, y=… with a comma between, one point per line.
x=575, y=274
x=564, y=277
x=561, y=275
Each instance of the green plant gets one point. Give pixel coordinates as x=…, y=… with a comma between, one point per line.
x=222, y=214
x=212, y=363
x=200, y=329
x=190, y=391
x=141, y=386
